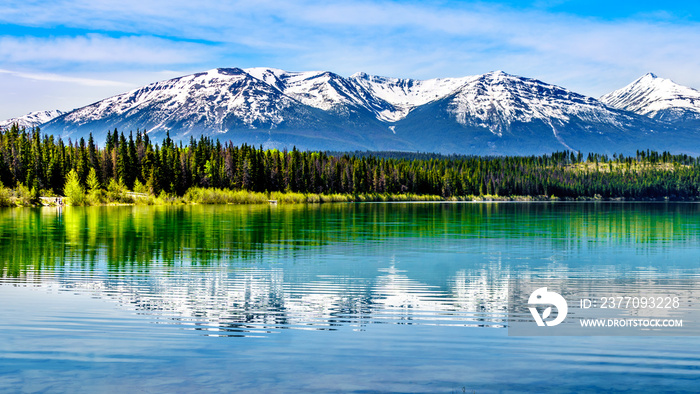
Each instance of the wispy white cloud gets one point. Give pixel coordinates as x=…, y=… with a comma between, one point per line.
x=63, y=78
x=100, y=49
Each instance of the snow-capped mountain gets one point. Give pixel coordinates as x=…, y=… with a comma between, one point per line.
x=657, y=98
x=494, y=113
x=31, y=119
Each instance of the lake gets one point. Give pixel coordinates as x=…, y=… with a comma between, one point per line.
x=404, y=297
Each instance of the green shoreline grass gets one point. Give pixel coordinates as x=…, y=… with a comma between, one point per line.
x=22, y=197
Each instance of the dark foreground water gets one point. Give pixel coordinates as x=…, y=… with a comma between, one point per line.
x=342, y=297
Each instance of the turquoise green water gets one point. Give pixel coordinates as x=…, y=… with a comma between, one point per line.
x=341, y=297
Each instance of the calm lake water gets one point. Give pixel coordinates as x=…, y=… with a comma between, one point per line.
x=337, y=297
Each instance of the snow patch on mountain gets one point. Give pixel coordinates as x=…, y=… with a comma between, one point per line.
x=656, y=97
x=324, y=90
x=31, y=119
x=406, y=94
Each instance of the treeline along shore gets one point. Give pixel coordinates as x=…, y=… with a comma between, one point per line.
x=134, y=169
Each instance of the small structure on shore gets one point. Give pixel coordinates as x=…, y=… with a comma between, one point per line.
x=53, y=201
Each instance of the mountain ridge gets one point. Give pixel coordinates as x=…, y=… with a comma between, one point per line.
x=492, y=113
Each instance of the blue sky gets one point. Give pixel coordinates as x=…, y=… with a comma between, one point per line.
x=66, y=54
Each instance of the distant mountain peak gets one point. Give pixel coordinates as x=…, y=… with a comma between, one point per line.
x=657, y=98
x=31, y=119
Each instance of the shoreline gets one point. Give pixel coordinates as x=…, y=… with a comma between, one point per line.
x=201, y=196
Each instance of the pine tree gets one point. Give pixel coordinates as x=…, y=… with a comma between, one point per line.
x=93, y=186
x=73, y=190
x=93, y=183
x=123, y=165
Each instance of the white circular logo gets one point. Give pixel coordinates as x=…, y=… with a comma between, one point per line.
x=543, y=297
